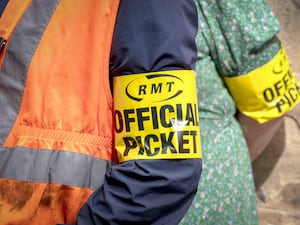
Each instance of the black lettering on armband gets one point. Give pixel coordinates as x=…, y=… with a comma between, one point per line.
x=290, y=97
x=268, y=95
x=118, y=121
x=170, y=84
x=142, y=89
x=294, y=96
x=130, y=143
x=142, y=118
x=148, y=145
x=182, y=141
x=165, y=121
x=287, y=99
x=194, y=135
x=140, y=143
x=286, y=80
x=154, y=117
x=128, y=120
x=279, y=104
x=156, y=88
x=167, y=143
x=190, y=115
x=278, y=87
x=179, y=112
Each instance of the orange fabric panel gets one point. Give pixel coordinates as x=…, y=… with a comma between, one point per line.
x=39, y=204
x=11, y=16
x=67, y=87
x=42, y=138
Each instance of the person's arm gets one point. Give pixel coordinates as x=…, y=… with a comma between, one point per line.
x=255, y=68
x=157, y=133
x=263, y=96
x=258, y=135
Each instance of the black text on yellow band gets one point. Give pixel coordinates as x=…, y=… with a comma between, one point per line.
x=267, y=92
x=156, y=116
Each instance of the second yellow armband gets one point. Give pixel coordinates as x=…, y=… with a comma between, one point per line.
x=267, y=92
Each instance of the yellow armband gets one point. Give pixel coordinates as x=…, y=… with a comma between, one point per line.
x=156, y=116
x=267, y=92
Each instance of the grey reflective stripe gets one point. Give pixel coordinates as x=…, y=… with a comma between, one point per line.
x=58, y=167
x=35, y=165
x=21, y=48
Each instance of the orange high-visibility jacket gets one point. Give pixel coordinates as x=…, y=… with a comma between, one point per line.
x=57, y=141
x=55, y=112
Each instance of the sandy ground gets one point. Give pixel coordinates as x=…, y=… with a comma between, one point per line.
x=277, y=170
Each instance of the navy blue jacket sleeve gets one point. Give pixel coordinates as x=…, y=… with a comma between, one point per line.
x=149, y=36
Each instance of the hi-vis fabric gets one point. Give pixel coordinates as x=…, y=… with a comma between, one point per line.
x=55, y=107
x=58, y=164
x=157, y=116
x=267, y=92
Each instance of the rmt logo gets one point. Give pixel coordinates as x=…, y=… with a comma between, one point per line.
x=155, y=88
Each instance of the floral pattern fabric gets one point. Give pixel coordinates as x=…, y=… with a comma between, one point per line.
x=235, y=37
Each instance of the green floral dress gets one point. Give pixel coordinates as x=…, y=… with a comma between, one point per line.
x=235, y=37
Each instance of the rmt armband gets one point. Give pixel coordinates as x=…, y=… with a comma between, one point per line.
x=267, y=92
x=156, y=116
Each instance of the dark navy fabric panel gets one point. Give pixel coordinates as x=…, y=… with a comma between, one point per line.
x=155, y=192
x=153, y=36
x=149, y=36
x=3, y=4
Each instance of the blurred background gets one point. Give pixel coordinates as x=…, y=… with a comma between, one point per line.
x=277, y=169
